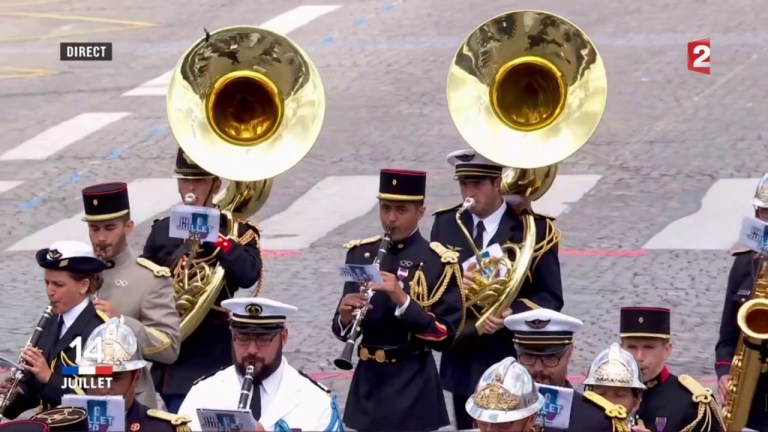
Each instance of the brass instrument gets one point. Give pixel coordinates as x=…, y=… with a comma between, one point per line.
x=246, y=104
x=526, y=89
x=5, y=400
x=747, y=363
x=344, y=361
x=246, y=390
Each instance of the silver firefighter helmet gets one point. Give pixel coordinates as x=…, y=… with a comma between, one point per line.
x=113, y=344
x=614, y=367
x=506, y=393
x=761, y=193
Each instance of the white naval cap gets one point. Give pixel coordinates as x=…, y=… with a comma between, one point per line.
x=72, y=256
x=542, y=331
x=469, y=164
x=258, y=314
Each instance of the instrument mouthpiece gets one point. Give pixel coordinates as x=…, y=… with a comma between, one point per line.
x=469, y=202
x=189, y=198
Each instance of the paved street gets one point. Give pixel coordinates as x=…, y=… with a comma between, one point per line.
x=648, y=209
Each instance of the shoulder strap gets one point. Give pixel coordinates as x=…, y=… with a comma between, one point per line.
x=320, y=386
x=617, y=413
x=355, y=243
x=446, y=255
x=206, y=376
x=157, y=270
x=446, y=209
x=179, y=421
x=707, y=407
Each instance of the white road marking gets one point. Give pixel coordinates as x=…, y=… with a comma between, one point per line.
x=716, y=225
x=319, y=211
x=283, y=24
x=8, y=185
x=566, y=190
x=148, y=197
x=60, y=136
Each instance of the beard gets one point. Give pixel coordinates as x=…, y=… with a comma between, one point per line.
x=262, y=369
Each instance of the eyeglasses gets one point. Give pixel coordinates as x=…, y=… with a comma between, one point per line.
x=550, y=360
x=261, y=341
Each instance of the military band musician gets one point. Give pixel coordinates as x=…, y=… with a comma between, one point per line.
x=544, y=344
x=282, y=398
x=492, y=220
x=740, y=289
x=121, y=350
x=135, y=289
x=207, y=348
x=670, y=403
x=418, y=308
x=72, y=276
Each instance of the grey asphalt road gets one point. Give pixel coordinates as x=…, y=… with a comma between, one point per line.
x=666, y=135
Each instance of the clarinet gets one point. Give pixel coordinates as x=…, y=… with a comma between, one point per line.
x=246, y=389
x=345, y=360
x=18, y=374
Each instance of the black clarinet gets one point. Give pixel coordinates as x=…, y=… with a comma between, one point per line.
x=345, y=360
x=247, y=389
x=19, y=374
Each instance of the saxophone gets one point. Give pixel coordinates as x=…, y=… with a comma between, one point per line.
x=747, y=363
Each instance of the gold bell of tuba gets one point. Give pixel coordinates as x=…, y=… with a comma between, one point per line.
x=526, y=89
x=245, y=104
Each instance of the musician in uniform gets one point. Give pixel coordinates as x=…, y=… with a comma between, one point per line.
x=282, y=398
x=492, y=220
x=207, y=348
x=418, y=308
x=135, y=289
x=506, y=399
x=115, y=345
x=670, y=403
x=72, y=276
x=543, y=341
x=740, y=289
x=614, y=377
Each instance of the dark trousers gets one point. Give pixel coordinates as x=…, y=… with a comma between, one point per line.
x=173, y=402
x=463, y=420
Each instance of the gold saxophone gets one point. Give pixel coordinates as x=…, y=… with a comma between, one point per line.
x=526, y=89
x=245, y=104
x=747, y=364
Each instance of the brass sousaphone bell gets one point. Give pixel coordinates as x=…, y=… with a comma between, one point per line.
x=245, y=104
x=526, y=89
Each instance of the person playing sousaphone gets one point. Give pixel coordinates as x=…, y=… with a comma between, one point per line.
x=72, y=275
x=207, y=348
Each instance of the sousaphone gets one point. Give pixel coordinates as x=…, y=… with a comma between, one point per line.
x=526, y=89
x=246, y=104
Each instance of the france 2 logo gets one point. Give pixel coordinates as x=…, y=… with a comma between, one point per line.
x=698, y=56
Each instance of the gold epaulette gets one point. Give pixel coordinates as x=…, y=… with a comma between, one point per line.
x=707, y=407
x=446, y=255
x=443, y=210
x=617, y=413
x=738, y=251
x=355, y=243
x=102, y=315
x=253, y=233
x=208, y=375
x=180, y=422
x=157, y=270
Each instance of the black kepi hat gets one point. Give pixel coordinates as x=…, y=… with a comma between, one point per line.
x=651, y=322
x=402, y=185
x=187, y=168
x=105, y=201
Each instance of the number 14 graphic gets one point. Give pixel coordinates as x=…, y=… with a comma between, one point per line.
x=698, y=56
x=93, y=351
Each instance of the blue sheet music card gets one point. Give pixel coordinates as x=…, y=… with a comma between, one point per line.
x=194, y=222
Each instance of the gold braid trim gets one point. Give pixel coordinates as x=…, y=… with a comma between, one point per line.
x=180, y=422
x=355, y=243
x=551, y=239
x=708, y=408
x=419, y=291
x=252, y=236
x=617, y=413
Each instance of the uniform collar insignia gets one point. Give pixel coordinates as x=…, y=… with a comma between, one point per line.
x=537, y=324
x=652, y=383
x=110, y=263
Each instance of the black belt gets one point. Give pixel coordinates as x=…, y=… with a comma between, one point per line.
x=388, y=354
